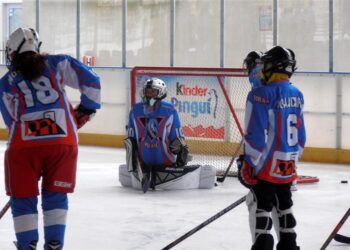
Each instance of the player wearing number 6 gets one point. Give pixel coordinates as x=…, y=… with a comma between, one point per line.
x=43, y=139
x=274, y=140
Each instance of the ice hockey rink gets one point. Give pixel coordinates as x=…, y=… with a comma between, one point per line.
x=103, y=215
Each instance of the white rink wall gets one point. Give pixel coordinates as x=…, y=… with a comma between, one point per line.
x=327, y=107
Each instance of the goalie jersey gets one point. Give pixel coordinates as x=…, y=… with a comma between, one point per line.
x=154, y=131
x=274, y=131
x=38, y=112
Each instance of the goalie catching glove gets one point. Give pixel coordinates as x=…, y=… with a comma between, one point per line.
x=180, y=149
x=245, y=173
x=83, y=115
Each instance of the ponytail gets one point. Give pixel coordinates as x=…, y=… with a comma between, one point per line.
x=30, y=64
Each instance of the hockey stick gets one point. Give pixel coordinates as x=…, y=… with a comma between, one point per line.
x=336, y=229
x=4, y=210
x=205, y=223
x=342, y=238
x=222, y=178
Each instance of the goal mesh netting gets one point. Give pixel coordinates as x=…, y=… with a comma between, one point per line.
x=210, y=103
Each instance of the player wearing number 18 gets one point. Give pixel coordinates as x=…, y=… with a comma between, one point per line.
x=274, y=140
x=43, y=141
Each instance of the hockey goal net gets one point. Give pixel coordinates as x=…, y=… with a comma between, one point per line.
x=210, y=103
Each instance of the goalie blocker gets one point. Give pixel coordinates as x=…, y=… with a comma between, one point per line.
x=164, y=177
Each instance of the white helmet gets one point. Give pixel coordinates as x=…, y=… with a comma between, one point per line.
x=22, y=40
x=156, y=84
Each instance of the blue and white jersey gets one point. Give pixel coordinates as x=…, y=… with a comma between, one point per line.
x=38, y=112
x=154, y=131
x=274, y=131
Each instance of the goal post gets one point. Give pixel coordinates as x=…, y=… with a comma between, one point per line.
x=210, y=103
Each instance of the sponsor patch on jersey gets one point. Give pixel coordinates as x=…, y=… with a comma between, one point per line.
x=284, y=168
x=42, y=127
x=283, y=164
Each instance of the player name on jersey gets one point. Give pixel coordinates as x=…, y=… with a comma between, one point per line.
x=290, y=102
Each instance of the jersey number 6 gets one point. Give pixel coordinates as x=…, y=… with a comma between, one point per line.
x=292, y=131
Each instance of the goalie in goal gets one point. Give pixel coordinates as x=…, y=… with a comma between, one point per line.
x=156, y=152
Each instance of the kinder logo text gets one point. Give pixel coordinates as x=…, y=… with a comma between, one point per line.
x=182, y=89
x=196, y=108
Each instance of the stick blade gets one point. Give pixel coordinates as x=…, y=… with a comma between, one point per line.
x=220, y=178
x=342, y=239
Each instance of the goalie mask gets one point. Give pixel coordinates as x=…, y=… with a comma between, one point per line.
x=20, y=41
x=153, y=90
x=278, y=60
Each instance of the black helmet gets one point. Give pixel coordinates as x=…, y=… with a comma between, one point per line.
x=278, y=60
x=251, y=60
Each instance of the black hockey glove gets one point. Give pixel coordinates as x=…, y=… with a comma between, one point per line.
x=245, y=173
x=83, y=115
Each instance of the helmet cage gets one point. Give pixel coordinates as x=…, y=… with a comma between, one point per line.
x=155, y=84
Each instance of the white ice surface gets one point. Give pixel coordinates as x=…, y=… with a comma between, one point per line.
x=103, y=215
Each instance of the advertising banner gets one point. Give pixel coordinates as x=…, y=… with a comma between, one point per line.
x=199, y=101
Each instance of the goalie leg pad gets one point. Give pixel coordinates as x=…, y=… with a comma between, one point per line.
x=131, y=154
x=135, y=181
x=124, y=176
x=181, y=179
x=207, y=177
x=128, y=179
x=191, y=177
